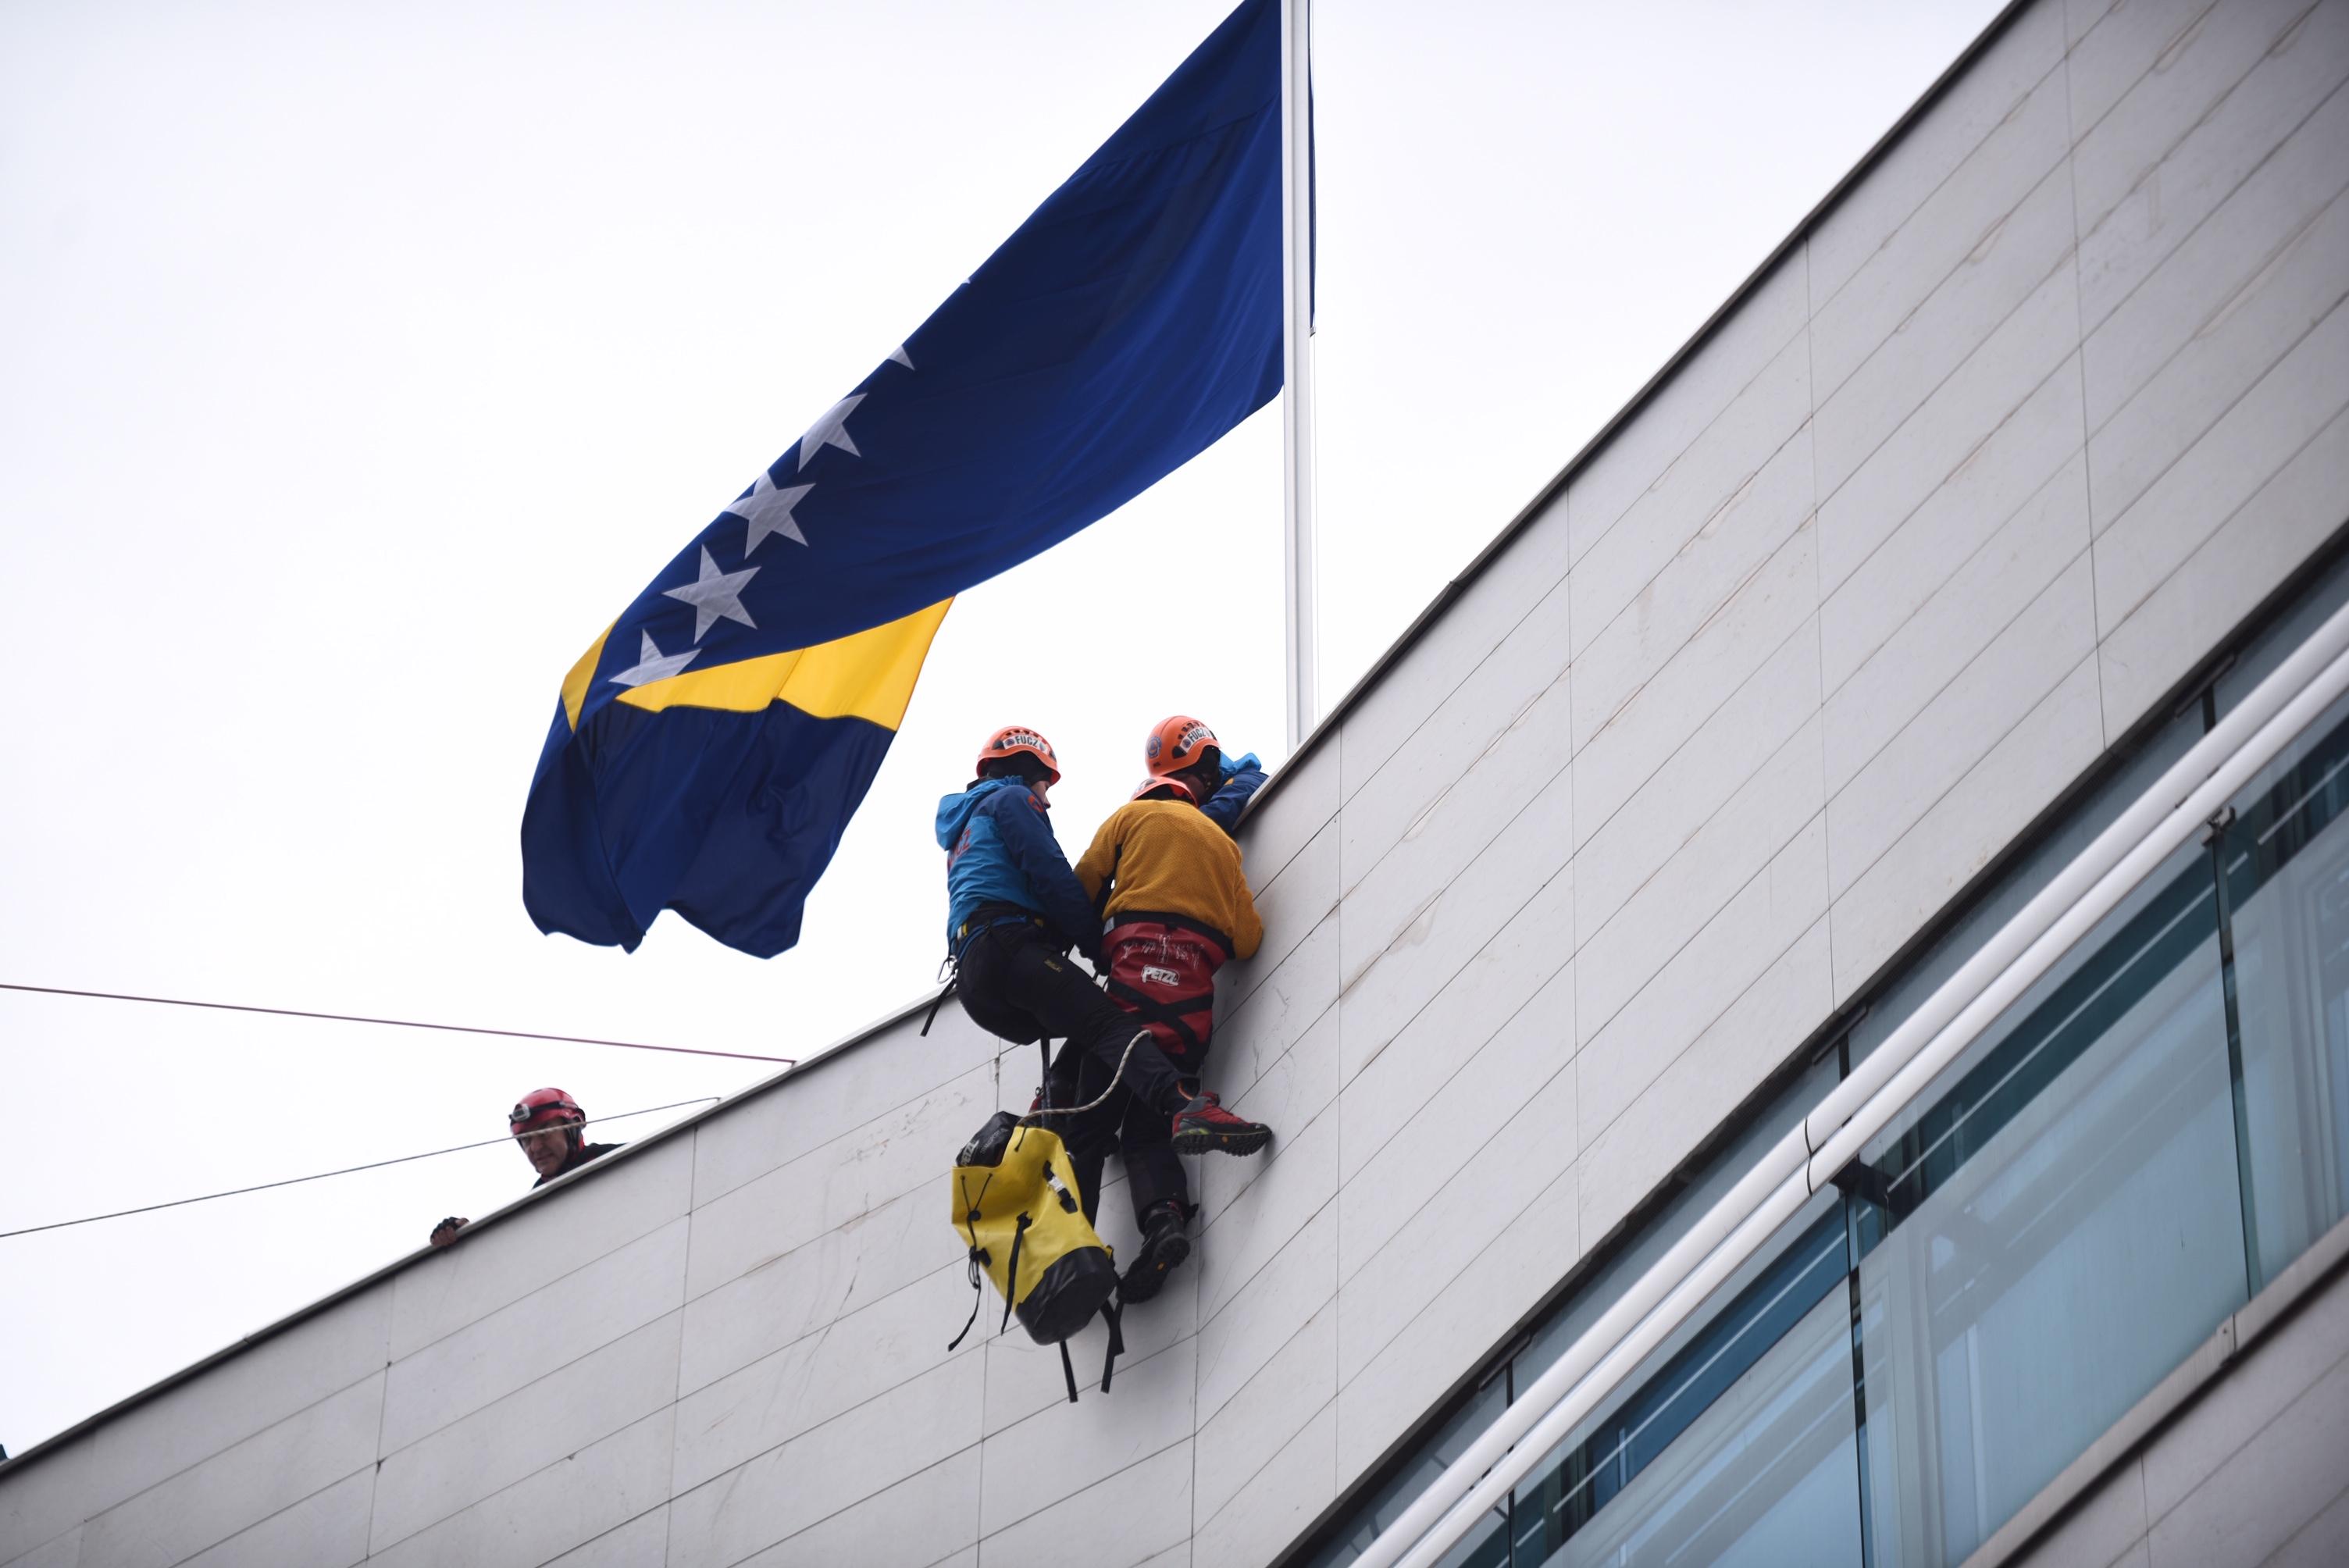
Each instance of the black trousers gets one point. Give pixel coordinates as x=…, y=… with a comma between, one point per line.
x=1140, y=1132
x=1017, y=987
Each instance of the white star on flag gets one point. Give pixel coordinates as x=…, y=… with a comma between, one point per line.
x=768, y=509
x=831, y=430
x=901, y=357
x=652, y=665
x=715, y=594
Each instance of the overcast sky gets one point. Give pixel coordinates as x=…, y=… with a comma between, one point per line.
x=358, y=365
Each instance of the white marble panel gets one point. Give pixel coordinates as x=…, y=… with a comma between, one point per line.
x=1485, y=797
x=1258, y=1422
x=1131, y=1518
x=1061, y=1451
x=2117, y=42
x=1702, y=981
x=241, y=1486
x=1292, y=1091
x=58, y=1551
x=1977, y=245
x=2017, y=253
x=2222, y=470
x=839, y=1272
x=1977, y=107
x=1024, y=1378
x=1617, y=576
x=808, y=1382
x=1279, y=1502
x=516, y=1346
x=1296, y=903
x=1971, y=607
x=642, y=1540
x=2239, y=345
x=1459, y=1328
x=495, y=1268
x=325, y=1529
x=1442, y=1132
x=2121, y=150
x=834, y=1182
x=1902, y=570
x=2251, y=554
x=2028, y=768
x=1732, y=543
x=1490, y=606
x=1300, y=1176
x=1417, y=780
x=573, y=1501
x=922, y=1518
x=1965, y=412
x=1284, y=821
x=848, y=1458
x=1274, y=1015
x=451, y=1470
x=1695, y=781
x=1685, y=1098
x=256, y=1388
x=1266, y=1312
x=43, y=1499
x=2153, y=273
x=1641, y=738
x=1898, y=785
x=865, y=1082
x=1520, y=984
x=1460, y=917
x=2286, y=1476
x=1644, y=449
x=1428, y=1254
x=1727, y=850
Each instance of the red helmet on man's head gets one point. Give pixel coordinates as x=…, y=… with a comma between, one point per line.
x=544, y=1108
x=1012, y=740
x=1171, y=789
x=1178, y=745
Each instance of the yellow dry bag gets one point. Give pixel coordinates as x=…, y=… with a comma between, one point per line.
x=1017, y=1209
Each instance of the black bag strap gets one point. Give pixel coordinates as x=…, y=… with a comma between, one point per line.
x=1069, y=1371
x=1011, y=1274
x=977, y=1253
x=953, y=980
x=1111, y=1313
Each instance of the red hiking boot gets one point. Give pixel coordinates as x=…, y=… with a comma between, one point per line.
x=1204, y=1124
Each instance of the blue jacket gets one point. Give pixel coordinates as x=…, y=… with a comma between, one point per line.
x=1232, y=795
x=1000, y=850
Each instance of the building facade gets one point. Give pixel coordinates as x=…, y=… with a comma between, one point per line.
x=2019, y=468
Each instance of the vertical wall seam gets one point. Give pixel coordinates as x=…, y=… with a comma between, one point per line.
x=1818, y=597
x=2080, y=378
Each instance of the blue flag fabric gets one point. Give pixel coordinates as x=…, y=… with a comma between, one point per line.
x=710, y=747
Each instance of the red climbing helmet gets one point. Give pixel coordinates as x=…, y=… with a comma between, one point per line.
x=1013, y=739
x=1176, y=746
x=544, y=1108
x=1171, y=788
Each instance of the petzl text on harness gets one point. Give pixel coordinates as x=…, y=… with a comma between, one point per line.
x=1017, y=1209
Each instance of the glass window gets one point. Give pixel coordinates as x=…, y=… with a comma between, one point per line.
x=2287, y=874
x=2053, y=1230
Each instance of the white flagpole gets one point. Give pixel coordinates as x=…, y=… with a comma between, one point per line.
x=1297, y=363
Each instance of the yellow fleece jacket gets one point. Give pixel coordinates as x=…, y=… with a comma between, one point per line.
x=1164, y=857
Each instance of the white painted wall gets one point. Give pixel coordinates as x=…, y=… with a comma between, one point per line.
x=2018, y=431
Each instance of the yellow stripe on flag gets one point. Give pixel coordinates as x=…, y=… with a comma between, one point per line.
x=574, y=685
x=869, y=675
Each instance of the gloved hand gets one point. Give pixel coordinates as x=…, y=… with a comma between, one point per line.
x=446, y=1231
x=1240, y=764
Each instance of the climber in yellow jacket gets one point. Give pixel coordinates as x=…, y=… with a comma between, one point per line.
x=1164, y=872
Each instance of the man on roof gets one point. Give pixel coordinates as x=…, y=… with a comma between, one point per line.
x=1165, y=871
x=552, y=1130
x=1014, y=911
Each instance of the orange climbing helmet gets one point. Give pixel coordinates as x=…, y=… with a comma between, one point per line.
x=1013, y=739
x=1176, y=746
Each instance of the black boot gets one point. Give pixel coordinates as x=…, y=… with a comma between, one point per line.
x=1163, y=1245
